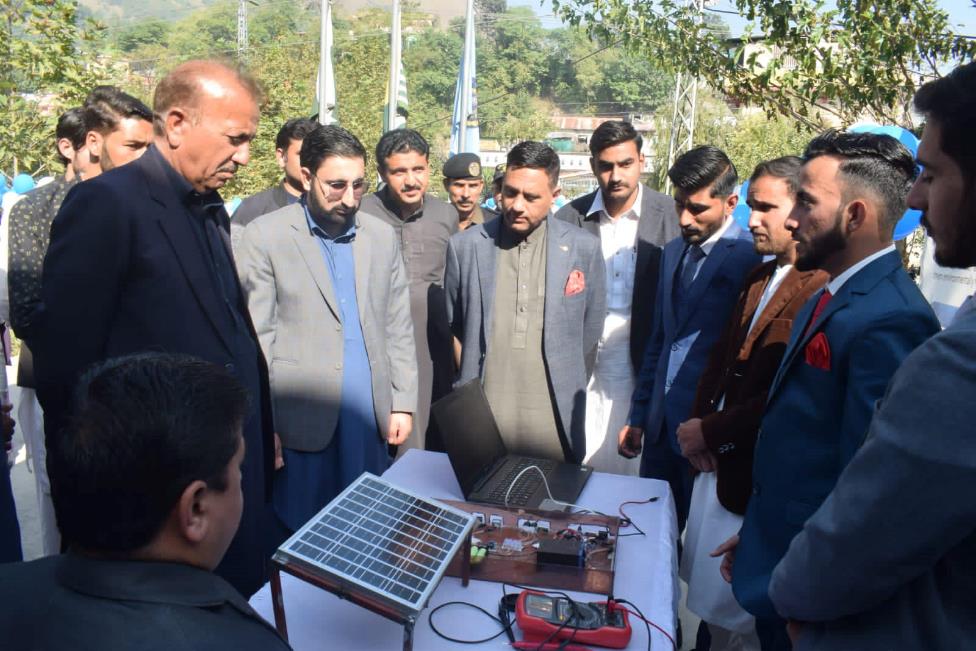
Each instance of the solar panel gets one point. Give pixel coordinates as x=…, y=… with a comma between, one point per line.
x=383, y=540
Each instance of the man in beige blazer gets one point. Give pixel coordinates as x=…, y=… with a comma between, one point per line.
x=328, y=294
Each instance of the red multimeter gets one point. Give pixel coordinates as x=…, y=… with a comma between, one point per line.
x=540, y=617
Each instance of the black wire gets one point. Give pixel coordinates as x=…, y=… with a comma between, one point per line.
x=430, y=620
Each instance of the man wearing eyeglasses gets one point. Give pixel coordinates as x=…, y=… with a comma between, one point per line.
x=328, y=293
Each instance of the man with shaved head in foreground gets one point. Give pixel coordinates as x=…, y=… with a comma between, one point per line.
x=140, y=261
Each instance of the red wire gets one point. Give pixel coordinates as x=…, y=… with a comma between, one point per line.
x=664, y=632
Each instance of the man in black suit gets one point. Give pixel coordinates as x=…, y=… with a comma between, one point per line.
x=288, y=144
x=140, y=260
x=633, y=223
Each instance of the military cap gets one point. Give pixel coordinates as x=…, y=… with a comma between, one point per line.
x=463, y=166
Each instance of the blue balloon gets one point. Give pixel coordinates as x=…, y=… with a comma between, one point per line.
x=742, y=212
x=912, y=218
x=232, y=205
x=23, y=183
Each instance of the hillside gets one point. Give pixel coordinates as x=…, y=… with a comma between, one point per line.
x=129, y=11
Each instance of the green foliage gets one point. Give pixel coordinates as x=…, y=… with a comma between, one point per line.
x=47, y=64
x=747, y=137
x=829, y=62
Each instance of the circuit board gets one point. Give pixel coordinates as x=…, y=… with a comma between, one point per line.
x=505, y=548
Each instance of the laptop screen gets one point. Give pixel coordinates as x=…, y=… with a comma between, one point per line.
x=469, y=432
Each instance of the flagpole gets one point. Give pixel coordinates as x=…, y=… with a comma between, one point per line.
x=395, y=53
x=466, y=96
x=326, y=72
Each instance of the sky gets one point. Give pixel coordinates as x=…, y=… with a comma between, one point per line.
x=962, y=14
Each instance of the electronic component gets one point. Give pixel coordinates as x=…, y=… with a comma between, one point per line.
x=496, y=521
x=544, y=619
x=480, y=517
x=512, y=545
x=561, y=551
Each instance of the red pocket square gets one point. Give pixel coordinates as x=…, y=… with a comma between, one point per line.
x=817, y=352
x=575, y=284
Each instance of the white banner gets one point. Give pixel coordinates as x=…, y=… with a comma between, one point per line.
x=944, y=288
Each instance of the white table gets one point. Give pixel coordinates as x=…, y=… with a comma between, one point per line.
x=646, y=574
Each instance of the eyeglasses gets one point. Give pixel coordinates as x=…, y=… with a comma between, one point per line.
x=335, y=189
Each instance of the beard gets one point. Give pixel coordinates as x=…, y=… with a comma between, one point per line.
x=812, y=254
x=338, y=216
x=956, y=248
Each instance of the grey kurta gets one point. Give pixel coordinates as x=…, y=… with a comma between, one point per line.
x=423, y=240
x=516, y=382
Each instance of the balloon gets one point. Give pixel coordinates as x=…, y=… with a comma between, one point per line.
x=742, y=212
x=23, y=183
x=911, y=219
x=233, y=205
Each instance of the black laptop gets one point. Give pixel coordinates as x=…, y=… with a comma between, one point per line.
x=483, y=467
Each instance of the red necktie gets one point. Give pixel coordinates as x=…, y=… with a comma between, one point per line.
x=821, y=304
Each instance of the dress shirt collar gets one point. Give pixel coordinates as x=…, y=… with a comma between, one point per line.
x=835, y=284
x=599, y=208
x=347, y=235
x=709, y=244
x=147, y=581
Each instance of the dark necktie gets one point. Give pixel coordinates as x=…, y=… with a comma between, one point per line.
x=686, y=276
x=821, y=304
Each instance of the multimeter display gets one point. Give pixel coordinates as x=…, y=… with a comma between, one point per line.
x=557, y=611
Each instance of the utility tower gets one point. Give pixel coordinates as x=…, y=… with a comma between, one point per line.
x=242, y=29
x=683, y=111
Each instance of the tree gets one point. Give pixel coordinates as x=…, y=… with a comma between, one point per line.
x=818, y=62
x=148, y=33
x=47, y=63
x=585, y=79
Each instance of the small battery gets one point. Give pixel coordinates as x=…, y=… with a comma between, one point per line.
x=561, y=551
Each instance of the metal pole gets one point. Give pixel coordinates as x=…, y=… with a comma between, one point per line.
x=684, y=110
x=394, y=90
x=242, y=30
x=325, y=51
x=466, y=80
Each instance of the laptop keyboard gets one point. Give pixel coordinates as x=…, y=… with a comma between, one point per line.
x=527, y=483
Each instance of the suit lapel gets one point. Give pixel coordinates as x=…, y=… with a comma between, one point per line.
x=789, y=288
x=486, y=252
x=311, y=253
x=362, y=263
x=672, y=257
x=559, y=262
x=712, y=263
x=861, y=283
x=186, y=246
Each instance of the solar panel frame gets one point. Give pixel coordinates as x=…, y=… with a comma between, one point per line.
x=387, y=541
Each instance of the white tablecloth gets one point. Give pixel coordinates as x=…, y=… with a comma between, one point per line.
x=646, y=574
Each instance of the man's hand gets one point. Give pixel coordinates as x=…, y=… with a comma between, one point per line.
x=704, y=462
x=727, y=551
x=401, y=423
x=691, y=438
x=279, y=455
x=629, y=441
x=793, y=629
x=7, y=427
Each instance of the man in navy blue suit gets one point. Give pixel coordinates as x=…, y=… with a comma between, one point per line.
x=140, y=261
x=846, y=343
x=701, y=274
